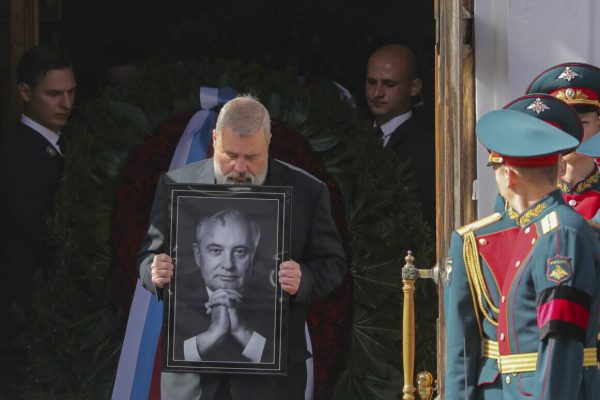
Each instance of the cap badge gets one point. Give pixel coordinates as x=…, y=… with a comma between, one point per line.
x=538, y=106
x=571, y=94
x=568, y=74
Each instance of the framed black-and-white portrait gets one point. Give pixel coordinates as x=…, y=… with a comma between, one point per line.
x=225, y=311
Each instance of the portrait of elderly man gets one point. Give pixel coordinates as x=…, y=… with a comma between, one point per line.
x=228, y=316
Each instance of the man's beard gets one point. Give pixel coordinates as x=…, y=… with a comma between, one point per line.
x=236, y=178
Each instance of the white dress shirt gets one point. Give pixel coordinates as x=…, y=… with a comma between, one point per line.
x=51, y=137
x=390, y=126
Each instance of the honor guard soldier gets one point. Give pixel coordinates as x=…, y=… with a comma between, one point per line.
x=510, y=323
x=577, y=84
x=591, y=378
x=484, y=242
x=591, y=148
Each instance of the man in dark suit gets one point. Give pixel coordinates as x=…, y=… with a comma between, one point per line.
x=391, y=84
x=316, y=265
x=222, y=319
x=31, y=164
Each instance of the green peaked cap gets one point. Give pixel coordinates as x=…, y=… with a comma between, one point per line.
x=576, y=83
x=516, y=134
x=590, y=147
x=549, y=109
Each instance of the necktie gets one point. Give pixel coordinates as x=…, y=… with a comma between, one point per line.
x=378, y=132
x=62, y=145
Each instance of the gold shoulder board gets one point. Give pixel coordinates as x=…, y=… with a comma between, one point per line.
x=480, y=223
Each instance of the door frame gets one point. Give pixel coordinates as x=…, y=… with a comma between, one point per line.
x=456, y=145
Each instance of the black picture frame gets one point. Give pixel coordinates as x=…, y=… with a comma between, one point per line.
x=231, y=268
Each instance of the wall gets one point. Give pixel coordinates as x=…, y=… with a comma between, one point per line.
x=515, y=40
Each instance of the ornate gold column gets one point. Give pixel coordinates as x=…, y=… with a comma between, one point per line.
x=409, y=276
x=425, y=381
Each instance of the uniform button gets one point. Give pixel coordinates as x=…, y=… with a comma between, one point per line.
x=503, y=299
x=483, y=241
x=572, y=202
x=507, y=379
x=514, y=374
x=533, y=241
x=502, y=337
x=517, y=264
x=527, y=230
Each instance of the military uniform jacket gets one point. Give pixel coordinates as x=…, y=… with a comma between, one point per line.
x=547, y=313
x=468, y=374
x=584, y=196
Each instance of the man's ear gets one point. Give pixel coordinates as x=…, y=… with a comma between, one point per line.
x=214, y=138
x=24, y=92
x=196, y=254
x=512, y=177
x=415, y=87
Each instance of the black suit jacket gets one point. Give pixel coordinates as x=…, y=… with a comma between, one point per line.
x=315, y=240
x=414, y=141
x=30, y=172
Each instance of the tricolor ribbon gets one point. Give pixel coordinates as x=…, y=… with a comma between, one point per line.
x=136, y=363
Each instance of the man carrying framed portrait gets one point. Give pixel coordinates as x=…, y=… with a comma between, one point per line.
x=314, y=266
